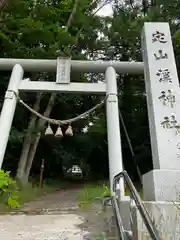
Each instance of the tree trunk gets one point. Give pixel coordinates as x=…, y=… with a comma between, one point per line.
x=27, y=141
x=32, y=150
x=3, y=3
x=36, y=139
x=31, y=155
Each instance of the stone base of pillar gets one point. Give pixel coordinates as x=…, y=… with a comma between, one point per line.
x=165, y=216
x=162, y=185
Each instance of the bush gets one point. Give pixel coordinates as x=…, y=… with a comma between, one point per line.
x=8, y=190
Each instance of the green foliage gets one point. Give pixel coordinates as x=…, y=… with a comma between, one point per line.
x=177, y=36
x=36, y=29
x=9, y=190
x=124, y=34
x=31, y=192
x=13, y=195
x=15, y=136
x=91, y=193
x=99, y=236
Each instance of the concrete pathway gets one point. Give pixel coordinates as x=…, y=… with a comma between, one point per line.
x=41, y=227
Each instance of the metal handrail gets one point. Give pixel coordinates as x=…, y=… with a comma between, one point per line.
x=153, y=232
x=121, y=229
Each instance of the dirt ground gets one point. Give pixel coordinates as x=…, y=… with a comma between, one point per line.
x=58, y=216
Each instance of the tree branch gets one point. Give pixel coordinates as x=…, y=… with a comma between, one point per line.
x=3, y=3
x=69, y=22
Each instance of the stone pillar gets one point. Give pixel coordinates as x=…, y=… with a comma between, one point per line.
x=163, y=102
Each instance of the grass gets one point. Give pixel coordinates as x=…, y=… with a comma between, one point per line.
x=99, y=236
x=88, y=195
x=26, y=194
x=30, y=193
x=92, y=192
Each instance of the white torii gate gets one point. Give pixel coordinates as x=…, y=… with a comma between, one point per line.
x=163, y=101
x=63, y=84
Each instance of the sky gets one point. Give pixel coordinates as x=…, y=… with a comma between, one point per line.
x=106, y=10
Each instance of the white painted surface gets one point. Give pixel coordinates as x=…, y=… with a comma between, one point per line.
x=113, y=129
x=8, y=109
x=47, y=65
x=63, y=70
x=35, y=86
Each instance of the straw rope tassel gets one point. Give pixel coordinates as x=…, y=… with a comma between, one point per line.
x=59, y=132
x=69, y=131
x=49, y=130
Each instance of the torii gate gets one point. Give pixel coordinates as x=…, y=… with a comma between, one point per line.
x=63, y=84
x=157, y=54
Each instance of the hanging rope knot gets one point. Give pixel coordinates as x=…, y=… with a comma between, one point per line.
x=9, y=94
